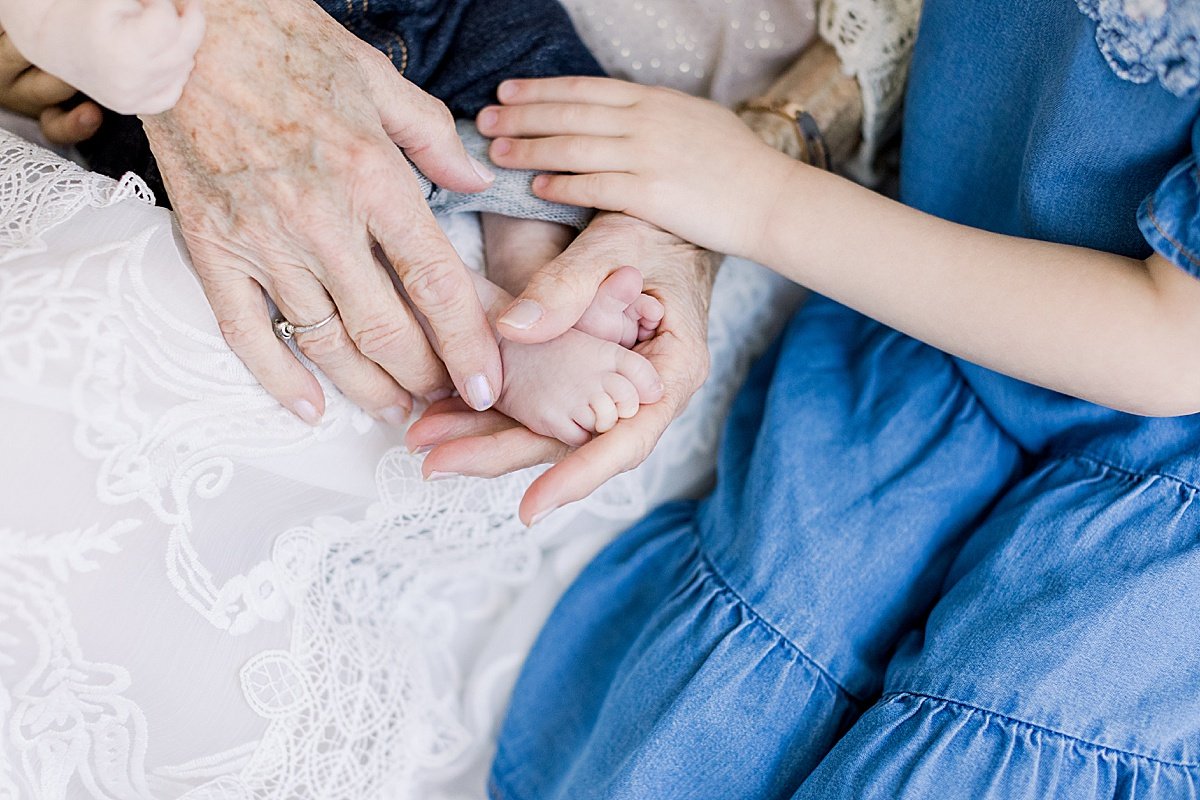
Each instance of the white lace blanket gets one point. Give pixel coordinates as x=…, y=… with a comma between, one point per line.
x=200, y=596
x=874, y=40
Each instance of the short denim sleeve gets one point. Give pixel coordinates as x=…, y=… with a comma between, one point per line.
x=1170, y=217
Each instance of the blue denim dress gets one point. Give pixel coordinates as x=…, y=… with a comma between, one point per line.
x=917, y=578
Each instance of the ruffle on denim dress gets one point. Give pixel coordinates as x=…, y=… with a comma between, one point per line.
x=995, y=621
x=917, y=578
x=899, y=751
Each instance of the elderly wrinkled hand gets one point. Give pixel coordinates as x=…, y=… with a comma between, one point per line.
x=283, y=162
x=679, y=274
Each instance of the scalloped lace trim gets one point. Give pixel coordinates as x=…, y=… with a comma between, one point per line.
x=1146, y=40
x=39, y=190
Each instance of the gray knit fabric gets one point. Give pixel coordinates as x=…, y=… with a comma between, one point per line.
x=509, y=196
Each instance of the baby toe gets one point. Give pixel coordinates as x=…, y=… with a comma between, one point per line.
x=642, y=374
x=585, y=418
x=623, y=394
x=624, y=285
x=572, y=434
x=606, y=412
x=650, y=311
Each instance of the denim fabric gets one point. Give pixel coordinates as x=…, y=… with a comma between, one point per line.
x=460, y=50
x=1170, y=218
x=916, y=578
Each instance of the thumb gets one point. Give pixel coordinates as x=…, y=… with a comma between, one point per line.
x=554, y=299
x=424, y=129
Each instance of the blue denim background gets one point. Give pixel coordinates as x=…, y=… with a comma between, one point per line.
x=460, y=50
x=917, y=578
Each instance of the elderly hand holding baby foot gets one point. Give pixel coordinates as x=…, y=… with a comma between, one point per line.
x=262, y=181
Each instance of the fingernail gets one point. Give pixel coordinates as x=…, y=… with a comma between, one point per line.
x=441, y=476
x=523, y=315
x=422, y=450
x=479, y=393
x=90, y=119
x=394, y=415
x=538, y=518
x=501, y=147
x=307, y=412
x=506, y=90
x=487, y=118
x=481, y=170
x=437, y=395
x=540, y=183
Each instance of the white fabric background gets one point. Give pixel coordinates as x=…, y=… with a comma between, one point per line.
x=200, y=596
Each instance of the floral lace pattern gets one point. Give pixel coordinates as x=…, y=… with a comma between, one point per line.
x=200, y=596
x=38, y=193
x=874, y=41
x=1146, y=40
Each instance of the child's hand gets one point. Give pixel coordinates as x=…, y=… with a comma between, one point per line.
x=684, y=164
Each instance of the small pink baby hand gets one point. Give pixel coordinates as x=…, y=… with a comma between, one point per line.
x=150, y=56
x=133, y=56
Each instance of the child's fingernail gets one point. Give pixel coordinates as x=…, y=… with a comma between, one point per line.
x=479, y=393
x=307, y=412
x=523, y=315
x=441, y=476
x=541, y=516
x=481, y=170
x=487, y=118
x=394, y=415
x=501, y=147
x=438, y=395
x=507, y=90
x=541, y=182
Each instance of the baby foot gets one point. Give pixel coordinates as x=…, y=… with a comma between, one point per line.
x=575, y=385
x=621, y=313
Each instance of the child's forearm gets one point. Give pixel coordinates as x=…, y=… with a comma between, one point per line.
x=1116, y=331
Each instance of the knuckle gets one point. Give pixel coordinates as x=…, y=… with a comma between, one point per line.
x=378, y=337
x=353, y=150
x=443, y=118
x=436, y=117
x=577, y=147
x=327, y=346
x=577, y=84
x=434, y=286
x=240, y=333
x=428, y=377
x=377, y=60
x=558, y=283
x=594, y=186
